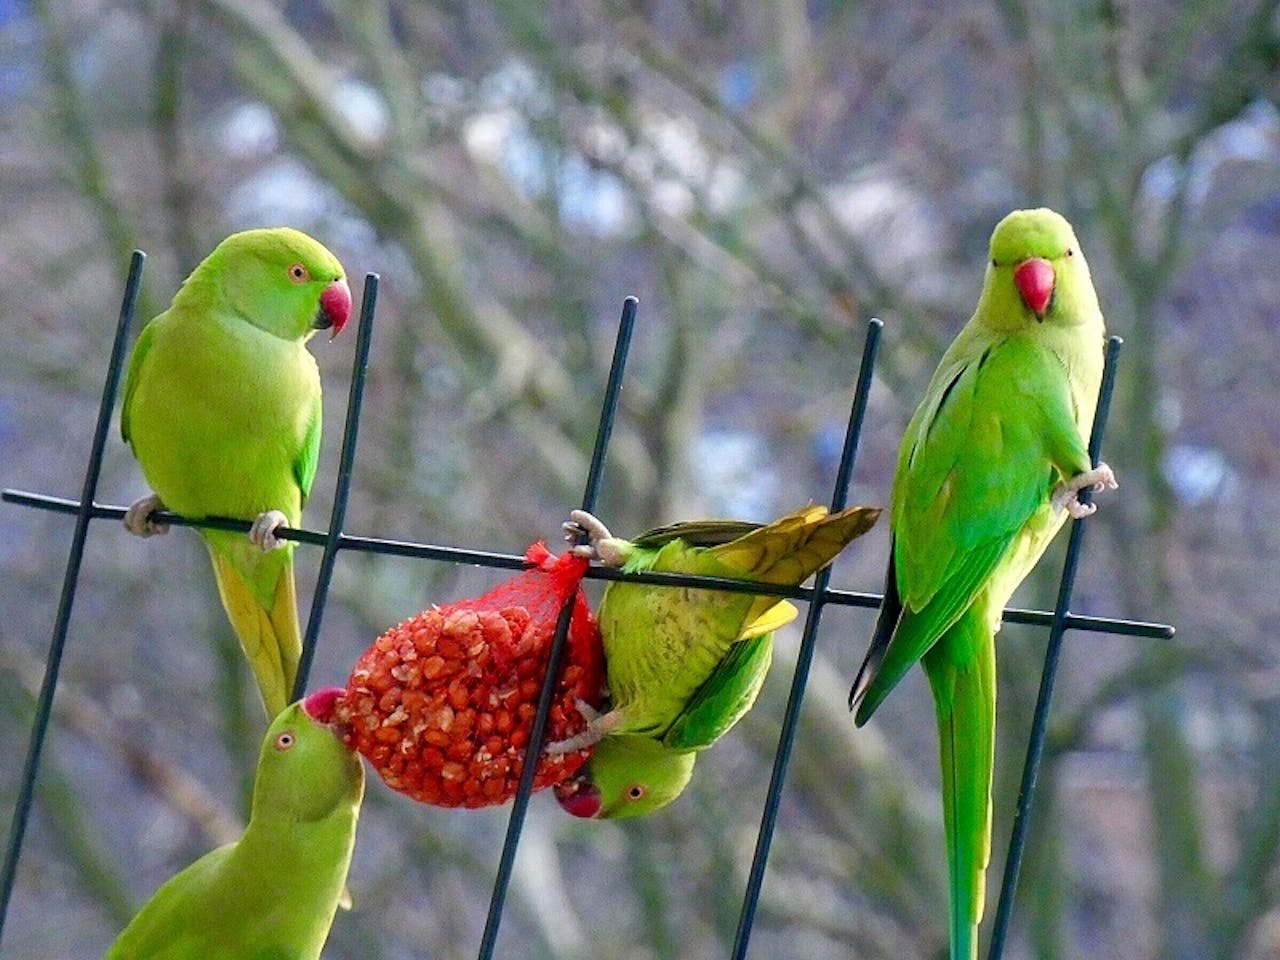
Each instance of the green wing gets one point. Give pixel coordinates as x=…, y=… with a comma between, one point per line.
x=723, y=697
x=975, y=473
x=159, y=929
x=979, y=459
x=696, y=533
x=304, y=467
x=140, y=350
x=902, y=636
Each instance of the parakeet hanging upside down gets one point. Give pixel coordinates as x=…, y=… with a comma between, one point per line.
x=273, y=893
x=683, y=665
x=987, y=473
x=222, y=410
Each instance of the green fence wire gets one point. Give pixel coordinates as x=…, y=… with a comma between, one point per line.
x=333, y=540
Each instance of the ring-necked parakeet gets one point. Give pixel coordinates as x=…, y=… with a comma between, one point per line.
x=222, y=409
x=987, y=472
x=683, y=665
x=272, y=894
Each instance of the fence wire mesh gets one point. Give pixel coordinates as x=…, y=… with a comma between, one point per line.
x=333, y=541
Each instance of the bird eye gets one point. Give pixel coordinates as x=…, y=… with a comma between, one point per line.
x=995, y=262
x=284, y=741
x=1070, y=252
x=299, y=274
x=635, y=791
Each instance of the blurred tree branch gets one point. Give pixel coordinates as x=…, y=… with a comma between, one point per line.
x=80, y=714
x=1189, y=908
x=72, y=117
x=520, y=374
x=168, y=117
x=1103, y=96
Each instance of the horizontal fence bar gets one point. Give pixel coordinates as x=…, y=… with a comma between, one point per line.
x=510, y=561
x=334, y=540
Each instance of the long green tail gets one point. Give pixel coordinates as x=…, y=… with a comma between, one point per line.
x=962, y=672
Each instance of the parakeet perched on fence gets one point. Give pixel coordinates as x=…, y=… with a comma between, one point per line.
x=987, y=473
x=222, y=410
x=683, y=665
x=272, y=894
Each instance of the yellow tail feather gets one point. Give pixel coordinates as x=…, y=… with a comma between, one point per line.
x=791, y=549
x=271, y=639
x=778, y=615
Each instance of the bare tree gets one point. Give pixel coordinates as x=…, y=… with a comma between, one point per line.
x=765, y=177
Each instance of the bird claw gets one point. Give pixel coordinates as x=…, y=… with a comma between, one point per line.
x=137, y=519
x=581, y=741
x=1098, y=479
x=599, y=725
x=601, y=544
x=573, y=533
x=263, y=531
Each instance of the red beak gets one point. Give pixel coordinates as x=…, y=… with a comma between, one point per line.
x=320, y=705
x=578, y=796
x=335, y=307
x=1034, y=280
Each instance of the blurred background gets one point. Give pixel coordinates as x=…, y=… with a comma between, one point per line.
x=765, y=177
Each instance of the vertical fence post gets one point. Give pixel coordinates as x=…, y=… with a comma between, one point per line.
x=1040, y=719
x=87, y=509
x=524, y=790
x=804, y=658
x=342, y=488
x=44, y=702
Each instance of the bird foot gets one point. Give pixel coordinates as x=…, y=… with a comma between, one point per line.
x=599, y=726
x=263, y=532
x=601, y=544
x=1099, y=478
x=137, y=519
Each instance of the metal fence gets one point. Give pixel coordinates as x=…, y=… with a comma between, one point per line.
x=333, y=540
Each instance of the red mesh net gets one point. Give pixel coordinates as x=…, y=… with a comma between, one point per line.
x=442, y=704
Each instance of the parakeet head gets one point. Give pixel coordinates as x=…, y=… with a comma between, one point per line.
x=1035, y=272
x=304, y=771
x=278, y=279
x=626, y=776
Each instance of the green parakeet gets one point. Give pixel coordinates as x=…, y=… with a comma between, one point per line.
x=272, y=894
x=987, y=472
x=222, y=409
x=683, y=665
